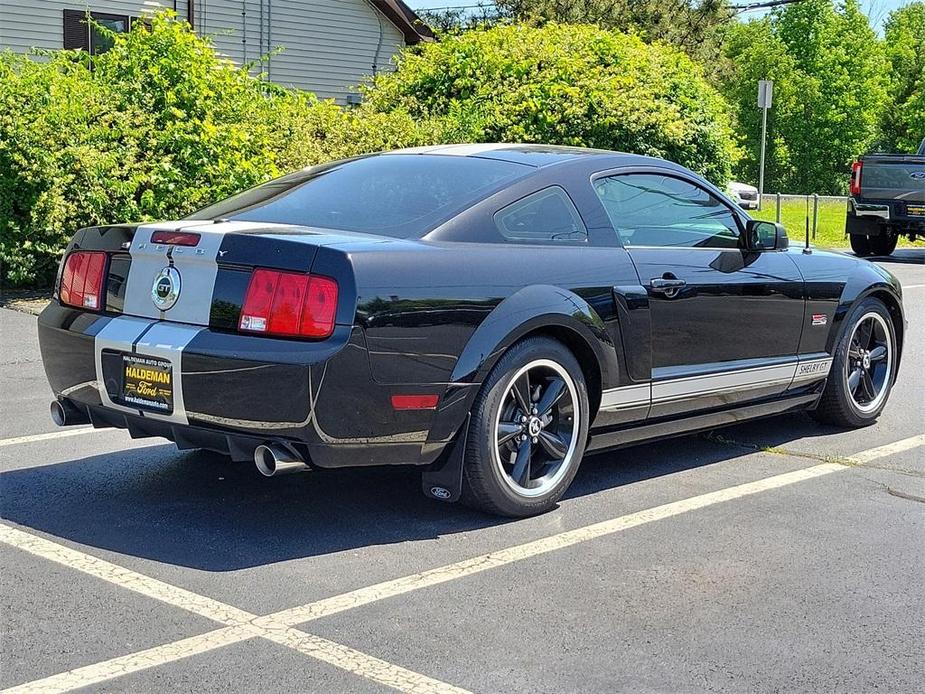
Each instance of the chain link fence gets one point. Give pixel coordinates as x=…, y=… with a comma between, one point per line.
x=822, y=215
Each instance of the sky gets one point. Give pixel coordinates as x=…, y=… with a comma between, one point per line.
x=877, y=10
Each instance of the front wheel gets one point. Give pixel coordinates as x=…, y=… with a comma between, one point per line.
x=528, y=430
x=863, y=368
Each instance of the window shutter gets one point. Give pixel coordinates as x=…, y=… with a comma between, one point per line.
x=76, y=31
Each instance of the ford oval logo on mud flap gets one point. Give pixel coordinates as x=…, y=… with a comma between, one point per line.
x=166, y=288
x=440, y=493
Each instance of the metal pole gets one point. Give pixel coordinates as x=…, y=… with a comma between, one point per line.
x=764, y=135
x=778, y=209
x=815, y=214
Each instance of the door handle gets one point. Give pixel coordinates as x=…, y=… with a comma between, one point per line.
x=667, y=285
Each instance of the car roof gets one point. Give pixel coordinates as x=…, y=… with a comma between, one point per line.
x=535, y=155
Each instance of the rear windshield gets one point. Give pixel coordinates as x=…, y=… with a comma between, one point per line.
x=398, y=195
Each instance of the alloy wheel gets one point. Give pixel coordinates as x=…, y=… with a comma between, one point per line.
x=869, y=362
x=535, y=432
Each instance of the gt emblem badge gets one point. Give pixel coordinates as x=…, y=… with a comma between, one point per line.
x=819, y=319
x=166, y=288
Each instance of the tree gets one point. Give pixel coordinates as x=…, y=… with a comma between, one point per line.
x=830, y=91
x=904, y=121
x=687, y=24
x=563, y=84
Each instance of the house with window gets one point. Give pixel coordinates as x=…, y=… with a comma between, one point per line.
x=327, y=46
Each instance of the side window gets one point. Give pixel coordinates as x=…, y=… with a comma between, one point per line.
x=658, y=210
x=547, y=215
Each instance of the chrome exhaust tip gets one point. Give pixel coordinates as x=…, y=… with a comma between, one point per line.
x=272, y=459
x=64, y=414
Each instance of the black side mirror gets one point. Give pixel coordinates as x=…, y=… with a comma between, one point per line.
x=765, y=236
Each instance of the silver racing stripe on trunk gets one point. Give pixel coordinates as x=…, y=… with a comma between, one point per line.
x=196, y=265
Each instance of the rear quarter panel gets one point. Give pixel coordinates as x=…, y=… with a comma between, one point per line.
x=441, y=312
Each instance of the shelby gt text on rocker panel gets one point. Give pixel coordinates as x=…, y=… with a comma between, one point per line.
x=486, y=312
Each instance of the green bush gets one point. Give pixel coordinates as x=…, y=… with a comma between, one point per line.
x=564, y=84
x=161, y=125
x=155, y=128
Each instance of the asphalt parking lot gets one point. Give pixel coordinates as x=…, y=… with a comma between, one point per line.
x=773, y=556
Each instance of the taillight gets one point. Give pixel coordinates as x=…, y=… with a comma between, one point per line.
x=856, y=170
x=82, y=280
x=289, y=304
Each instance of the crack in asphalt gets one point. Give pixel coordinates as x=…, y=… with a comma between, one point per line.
x=905, y=495
x=847, y=461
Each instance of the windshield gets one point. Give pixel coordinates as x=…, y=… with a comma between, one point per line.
x=398, y=195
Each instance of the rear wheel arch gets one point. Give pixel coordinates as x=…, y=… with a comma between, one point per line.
x=542, y=311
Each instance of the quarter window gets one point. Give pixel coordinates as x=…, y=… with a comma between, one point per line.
x=547, y=215
x=659, y=210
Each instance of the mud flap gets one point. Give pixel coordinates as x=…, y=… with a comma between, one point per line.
x=443, y=480
x=863, y=226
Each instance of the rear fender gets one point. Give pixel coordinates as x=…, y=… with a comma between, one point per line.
x=533, y=309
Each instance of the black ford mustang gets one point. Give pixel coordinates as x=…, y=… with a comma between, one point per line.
x=486, y=312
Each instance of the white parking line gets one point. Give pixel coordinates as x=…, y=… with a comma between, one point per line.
x=468, y=567
x=277, y=627
x=133, y=662
x=889, y=449
x=913, y=286
x=241, y=626
x=64, y=433
x=125, y=578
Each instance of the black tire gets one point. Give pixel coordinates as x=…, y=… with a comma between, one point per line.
x=884, y=244
x=839, y=404
x=860, y=244
x=509, y=488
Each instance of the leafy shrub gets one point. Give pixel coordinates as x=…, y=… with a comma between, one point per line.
x=155, y=128
x=564, y=84
x=160, y=124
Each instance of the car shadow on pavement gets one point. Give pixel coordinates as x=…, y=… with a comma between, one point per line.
x=197, y=509
x=901, y=256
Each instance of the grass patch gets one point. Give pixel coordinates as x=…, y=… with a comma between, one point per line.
x=830, y=223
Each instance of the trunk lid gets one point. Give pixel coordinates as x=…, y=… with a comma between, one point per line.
x=186, y=275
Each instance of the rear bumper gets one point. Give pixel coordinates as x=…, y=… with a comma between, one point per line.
x=872, y=217
x=233, y=392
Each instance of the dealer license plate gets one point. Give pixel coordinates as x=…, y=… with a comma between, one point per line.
x=147, y=382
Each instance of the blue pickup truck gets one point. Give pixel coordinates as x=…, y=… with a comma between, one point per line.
x=887, y=201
